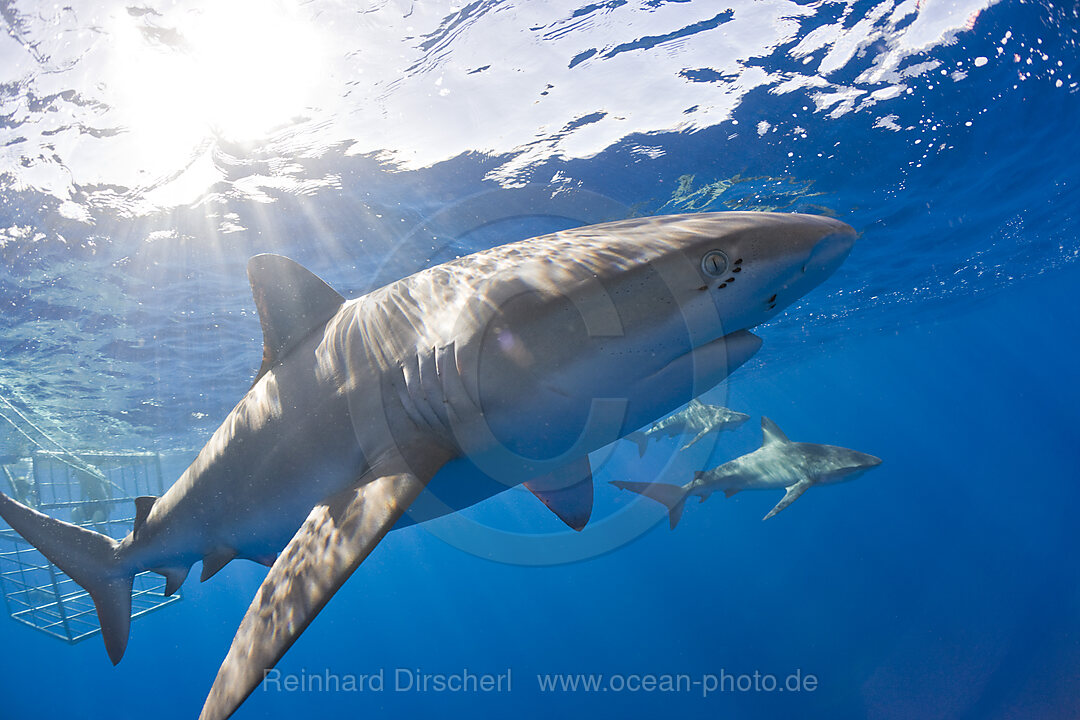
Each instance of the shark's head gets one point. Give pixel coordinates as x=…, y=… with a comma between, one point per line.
x=652, y=310
x=682, y=282
x=841, y=464
x=746, y=267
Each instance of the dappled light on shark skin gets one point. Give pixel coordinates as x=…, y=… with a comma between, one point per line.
x=359, y=403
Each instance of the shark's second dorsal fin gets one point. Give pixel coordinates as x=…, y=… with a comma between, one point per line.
x=143, y=505
x=772, y=433
x=292, y=302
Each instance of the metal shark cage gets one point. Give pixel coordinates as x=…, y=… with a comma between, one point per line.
x=96, y=490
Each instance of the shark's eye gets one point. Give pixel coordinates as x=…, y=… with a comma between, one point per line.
x=714, y=263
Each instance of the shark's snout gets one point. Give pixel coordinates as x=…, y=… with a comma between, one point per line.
x=831, y=250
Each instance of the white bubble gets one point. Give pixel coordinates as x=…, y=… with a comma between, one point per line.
x=980, y=61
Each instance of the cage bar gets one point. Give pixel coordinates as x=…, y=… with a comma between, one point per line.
x=35, y=591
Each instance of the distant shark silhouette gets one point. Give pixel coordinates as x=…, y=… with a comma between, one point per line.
x=519, y=360
x=778, y=463
x=697, y=418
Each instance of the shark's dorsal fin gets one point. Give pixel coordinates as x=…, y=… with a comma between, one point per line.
x=568, y=492
x=292, y=302
x=772, y=433
x=143, y=505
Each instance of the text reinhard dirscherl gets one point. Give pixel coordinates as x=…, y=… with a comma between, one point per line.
x=399, y=680
x=466, y=681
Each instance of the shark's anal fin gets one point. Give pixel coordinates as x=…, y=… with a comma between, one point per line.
x=568, y=492
x=336, y=537
x=174, y=577
x=792, y=494
x=292, y=302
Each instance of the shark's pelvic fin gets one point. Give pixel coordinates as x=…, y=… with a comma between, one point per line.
x=89, y=558
x=671, y=496
x=291, y=301
x=214, y=561
x=792, y=494
x=267, y=560
x=568, y=492
x=336, y=537
x=771, y=433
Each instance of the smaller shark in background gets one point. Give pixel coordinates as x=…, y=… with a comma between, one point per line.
x=778, y=463
x=697, y=418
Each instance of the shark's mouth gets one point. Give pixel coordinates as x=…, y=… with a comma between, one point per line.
x=710, y=363
x=688, y=376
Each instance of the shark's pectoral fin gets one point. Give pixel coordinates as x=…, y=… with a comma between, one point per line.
x=696, y=438
x=729, y=492
x=790, y=496
x=568, y=492
x=336, y=537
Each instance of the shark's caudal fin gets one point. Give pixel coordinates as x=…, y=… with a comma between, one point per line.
x=89, y=558
x=671, y=496
x=641, y=440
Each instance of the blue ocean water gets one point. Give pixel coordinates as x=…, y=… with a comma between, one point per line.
x=147, y=151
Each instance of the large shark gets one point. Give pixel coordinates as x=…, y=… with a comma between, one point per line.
x=777, y=464
x=518, y=361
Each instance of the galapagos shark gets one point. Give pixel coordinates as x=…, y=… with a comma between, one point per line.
x=697, y=418
x=778, y=463
x=519, y=359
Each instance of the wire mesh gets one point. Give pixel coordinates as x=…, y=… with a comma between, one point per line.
x=35, y=591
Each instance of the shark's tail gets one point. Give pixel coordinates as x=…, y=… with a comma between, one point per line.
x=671, y=496
x=641, y=440
x=88, y=558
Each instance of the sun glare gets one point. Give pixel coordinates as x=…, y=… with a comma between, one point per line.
x=237, y=69
x=256, y=65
